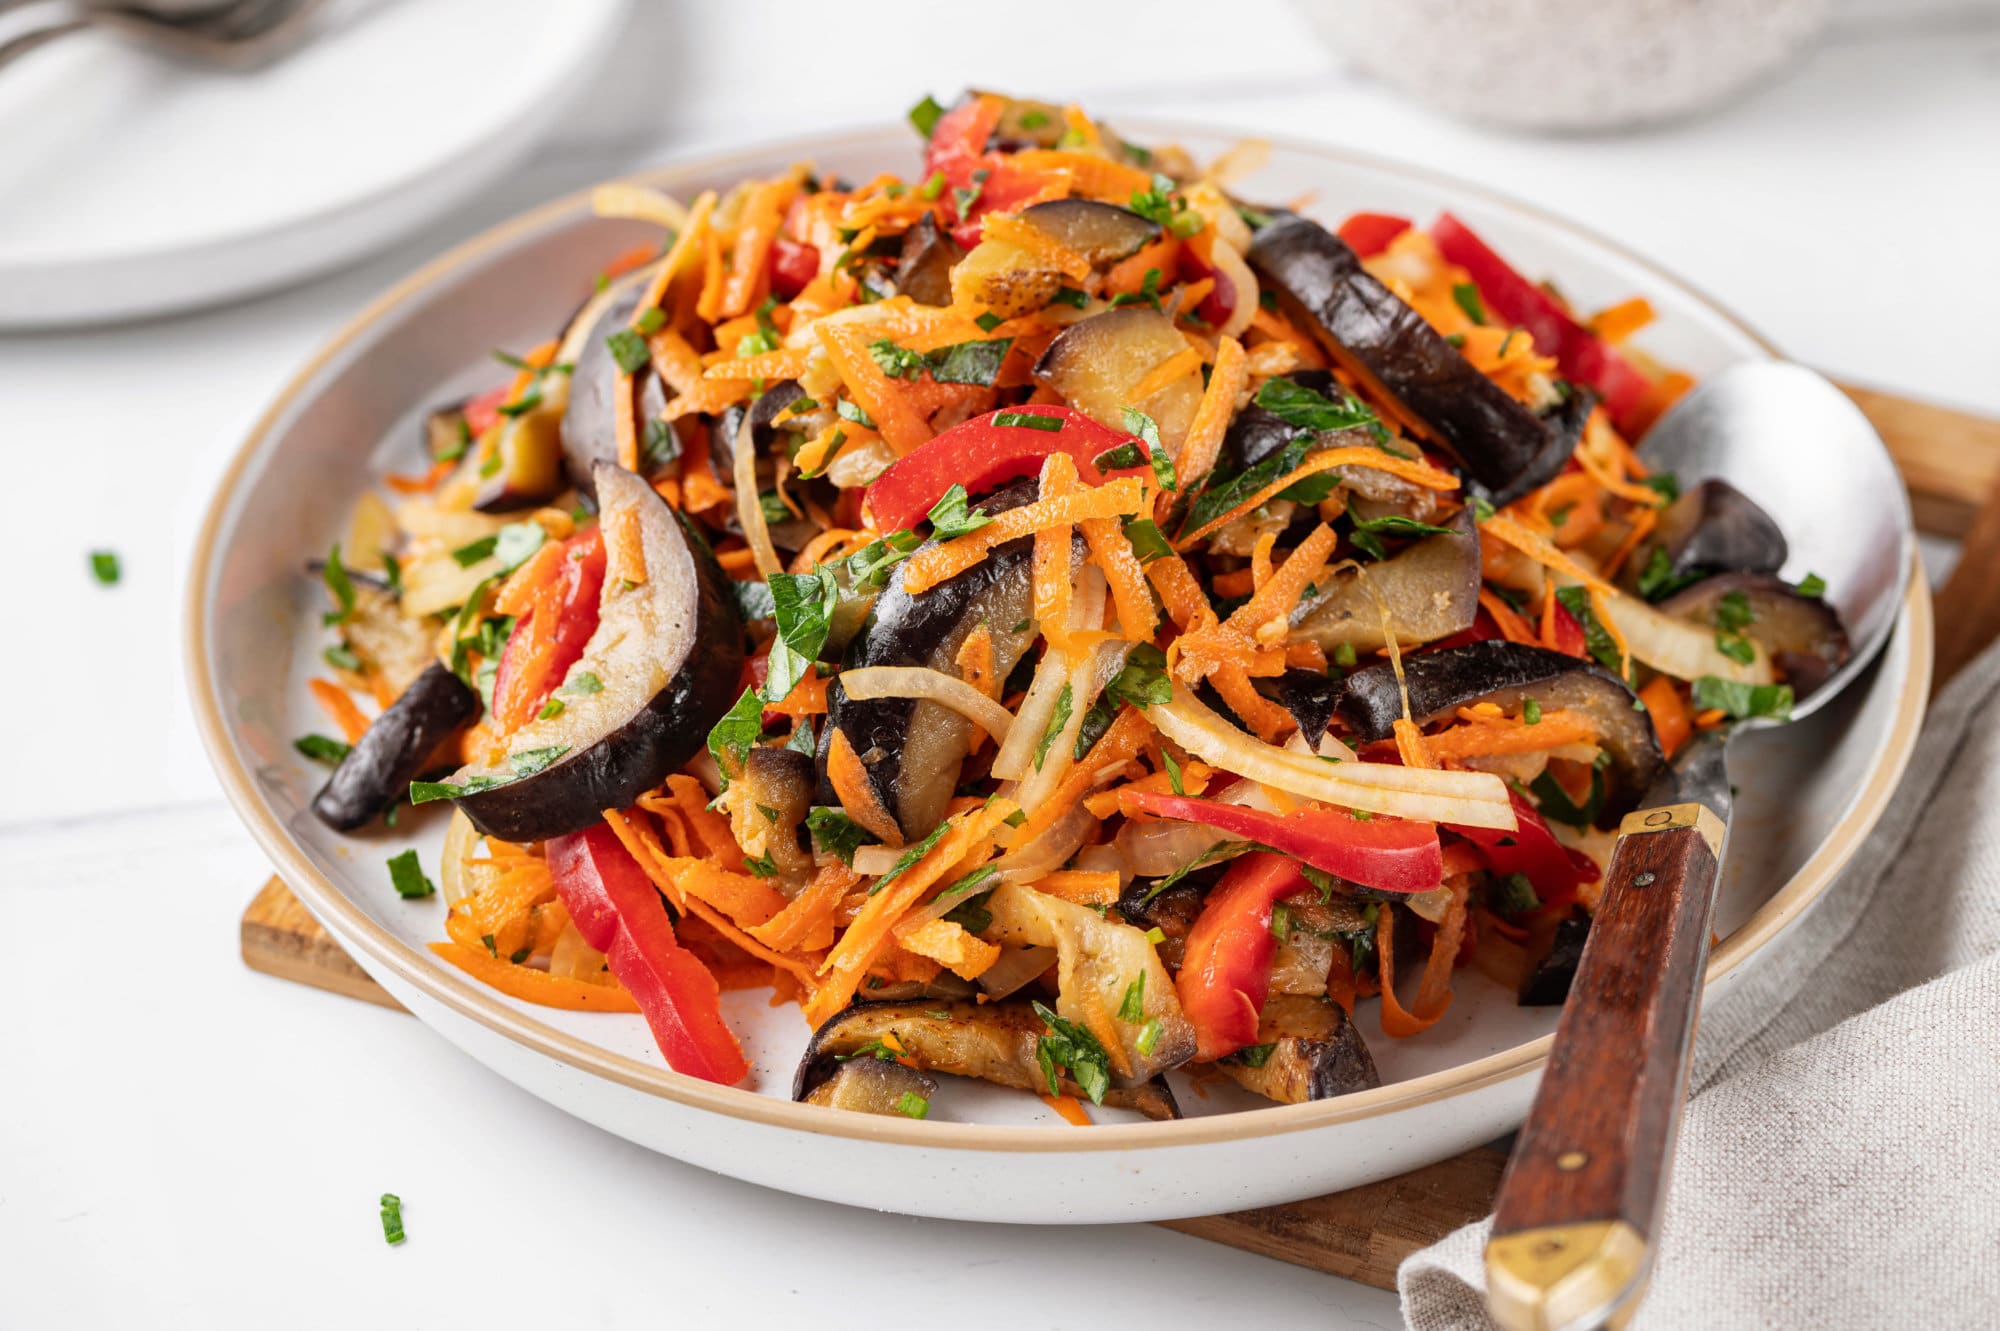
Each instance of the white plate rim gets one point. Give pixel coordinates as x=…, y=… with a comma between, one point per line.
x=466, y=997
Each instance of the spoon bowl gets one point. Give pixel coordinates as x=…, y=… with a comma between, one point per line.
x=1847, y=518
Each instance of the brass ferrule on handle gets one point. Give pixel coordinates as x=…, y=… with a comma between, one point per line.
x=1565, y=1276
x=1666, y=817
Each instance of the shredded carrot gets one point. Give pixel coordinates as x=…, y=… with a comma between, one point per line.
x=856, y=793
x=1669, y=713
x=740, y=563
x=1433, y=991
x=929, y=567
x=1010, y=229
x=1275, y=326
x=339, y=708
x=1128, y=276
x=1068, y=1107
x=975, y=660
x=1122, y=573
x=1260, y=560
x=1512, y=531
x=710, y=829
x=691, y=238
x=1512, y=627
x=947, y=943
x=807, y=922
x=624, y=548
x=1642, y=527
x=1414, y=471
x=1089, y=174
x=807, y=698
x=1182, y=363
x=762, y=212
x=1083, y=888
x=1054, y=574
x=535, y=986
x=1127, y=735
x=745, y=900
x=869, y=935
x=708, y=305
x=1269, y=720
x=1613, y=632
x=1179, y=592
x=784, y=363
x=1280, y=592
x=1306, y=655
x=1476, y=738
x=819, y=547
x=1236, y=582
x=896, y=421
x=1620, y=321
x=1710, y=718
x=1410, y=745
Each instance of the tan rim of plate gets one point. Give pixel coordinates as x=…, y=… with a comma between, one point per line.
x=476, y=1003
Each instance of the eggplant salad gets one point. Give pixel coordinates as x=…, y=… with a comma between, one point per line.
x=1053, y=618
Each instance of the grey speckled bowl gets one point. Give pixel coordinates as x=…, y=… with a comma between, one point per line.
x=1569, y=65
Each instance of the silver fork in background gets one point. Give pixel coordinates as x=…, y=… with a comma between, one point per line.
x=221, y=34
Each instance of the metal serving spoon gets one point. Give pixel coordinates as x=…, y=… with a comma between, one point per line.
x=227, y=34
x=1576, y=1226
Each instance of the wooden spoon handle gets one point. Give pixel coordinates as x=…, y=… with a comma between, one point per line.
x=1579, y=1208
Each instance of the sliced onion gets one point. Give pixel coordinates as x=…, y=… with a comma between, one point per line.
x=573, y=958
x=1104, y=859
x=1155, y=850
x=1086, y=680
x=1049, y=851
x=641, y=203
x=749, y=508
x=455, y=880
x=1015, y=760
x=1472, y=799
x=874, y=861
x=868, y=682
x=1676, y=647
x=1243, y=285
x=1016, y=967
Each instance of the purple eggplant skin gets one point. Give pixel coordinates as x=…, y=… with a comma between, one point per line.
x=1310, y=697
x=872, y=1086
x=1257, y=433
x=992, y=1042
x=378, y=770
x=687, y=648
x=1317, y=1053
x=923, y=272
x=1548, y=984
x=1509, y=673
x=1712, y=528
x=913, y=748
x=761, y=413
x=590, y=420
x=1505, y=449
x=1803, y=634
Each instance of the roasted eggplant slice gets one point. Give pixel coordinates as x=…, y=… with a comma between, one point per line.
x=1307, y=1049
x=1508, y=673
x=870, y=1085
x=768, y=807
x=912, y=749
x=923, y=273
x=1713, y=528
x=1430, y=590
x=590, y=420
x=378, y=770
x=1310, y=697
x=993, y=1042
x=1504, y=447
x=1256, y=432
x=1098, y=962
x=1549, y=983
x=668, y=653
x=1097, y=362
x=1802, y=633
x=1103, y=233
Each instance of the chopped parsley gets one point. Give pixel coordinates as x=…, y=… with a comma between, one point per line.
x=1255, y=1055
x=1303, y=409
x=1368, y=532
x=1065, y=708
x=1466, y=296
x=341, y=657
x=406, y=875
x=1657, y=580
x=1139, y=423
x=1531, y=713
x=1512, y=895
x=1144, y=680
x=911, y=856
x=835, y=833
x=974, y=363
x=1071, y=297
x=1597, y=640
x=551, y=709
x=322, y=749
x=583, y=682
x=951, y=516
x=851, y=411
x=628, y=349
x=763, y=866
x=802, y=604
x=1740, y=700
x=925, y=115
x=737, y=733
x=1173, y=772
x=1148, y=541
x=1147, y=294
x=334, y=575
x=104, y=567
x=1812, y=585
x=1733, y=613
x=872, y=565
x=1029, y=420
x=1074, y=1050
x=913, y=1104
x=1132, y=1007
x=392, y=1218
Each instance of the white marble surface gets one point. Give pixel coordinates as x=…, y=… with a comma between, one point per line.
x=186, y=1144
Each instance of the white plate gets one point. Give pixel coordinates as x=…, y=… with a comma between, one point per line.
x=131, y=185
x=1809, y=792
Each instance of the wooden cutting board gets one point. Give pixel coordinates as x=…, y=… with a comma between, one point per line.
x=1951, y=462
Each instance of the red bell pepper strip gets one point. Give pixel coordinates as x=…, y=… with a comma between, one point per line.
x=1554, y=870
x=619, y=912
x=543, y=646
x=981, y=453
x=1483, y=629
x=793, y=265
x=1226, y=958
x=1569, y=634
x=957, y=149
x=1388, y=854
x=1582, y=355
x=1369, y=234
x=482, y=413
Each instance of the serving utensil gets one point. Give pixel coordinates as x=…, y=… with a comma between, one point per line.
x=1577, y=1222
x=227, y=34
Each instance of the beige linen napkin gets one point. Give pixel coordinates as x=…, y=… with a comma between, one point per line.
x=1839, y=1163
